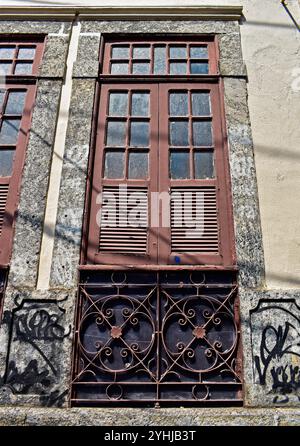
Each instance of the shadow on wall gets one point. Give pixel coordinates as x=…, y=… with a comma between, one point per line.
x=72, y=234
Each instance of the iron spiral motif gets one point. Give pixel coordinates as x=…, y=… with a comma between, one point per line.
x=157, y=337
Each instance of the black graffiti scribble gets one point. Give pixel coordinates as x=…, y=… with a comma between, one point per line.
x=55, y=398
x=39, y=326
x=286, y=377
x=286, y=380
x=21, y=382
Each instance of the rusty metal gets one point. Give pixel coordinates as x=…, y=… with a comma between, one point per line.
x=157, y=337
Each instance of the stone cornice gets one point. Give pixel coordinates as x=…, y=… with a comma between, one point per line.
x=126, y=12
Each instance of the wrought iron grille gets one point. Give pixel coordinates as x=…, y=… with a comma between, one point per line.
x=157, y=337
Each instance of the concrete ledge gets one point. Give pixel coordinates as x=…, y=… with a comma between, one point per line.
x=134, y=13
x=18, y=416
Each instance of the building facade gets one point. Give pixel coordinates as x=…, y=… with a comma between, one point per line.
x=149, y=237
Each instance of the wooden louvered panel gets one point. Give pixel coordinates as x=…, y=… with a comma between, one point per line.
x=123, y=236
x=3, y=198
x=187, y=238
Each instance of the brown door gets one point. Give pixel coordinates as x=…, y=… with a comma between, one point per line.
x=192, y=146
x=125, y=174
x=160, y=150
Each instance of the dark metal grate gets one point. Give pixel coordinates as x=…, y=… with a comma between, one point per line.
x=157, y=337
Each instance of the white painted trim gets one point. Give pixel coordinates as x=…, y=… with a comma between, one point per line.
x=47, y=245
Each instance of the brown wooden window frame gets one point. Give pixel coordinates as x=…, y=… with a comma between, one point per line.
x=159, y=240
x=117, y=359
x=17, y=83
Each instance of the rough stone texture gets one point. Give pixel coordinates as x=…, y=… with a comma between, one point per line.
x=245, y=202
x=230, y=45
x=36, y=337
x=29, y=223
x=231, y=59
x=271, y=332
x=87, y=64
x=34, y=26
x=55, y=54
x=68, y=236
x=248, y=236
x=148, y=417
x=73, y=184
x=160, y=26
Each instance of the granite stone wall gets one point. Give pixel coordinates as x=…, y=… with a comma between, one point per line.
x=38, y=326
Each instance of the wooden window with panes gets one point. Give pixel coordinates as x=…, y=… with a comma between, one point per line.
x=161, y=129
x=20, y=58
x=157, y=312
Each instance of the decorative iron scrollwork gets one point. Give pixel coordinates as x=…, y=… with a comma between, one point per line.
x=157, y=337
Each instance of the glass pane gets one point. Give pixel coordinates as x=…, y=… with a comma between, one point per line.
x=119, y=68
x=120, y=52
x=180, y=165
x=199, y=52
x=23, y=68
x=26, y=53
x=202, y=133
x=141, y=52
x=179, y=133
x=7, y=52
x=140, y=104
x=178, y=67
x=199, y=68
x=160, y=60
x=178, y=52
x=178, y=104
x=114, y=164
x=6, y=162
x=15, y=103
x=118, y=104
x=140, y=68
x=201, y=104
x=204, y=165
x=9, y=131
x=138, y=165
x=5, y=68
x=139, y=134
x=116, y=133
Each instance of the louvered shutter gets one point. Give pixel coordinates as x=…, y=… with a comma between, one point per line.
x=120, y=231
x=125, y=174
x=194, y=220
x=3, y=200
x=194, y=154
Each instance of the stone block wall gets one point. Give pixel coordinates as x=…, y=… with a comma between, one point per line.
x=37, y=328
